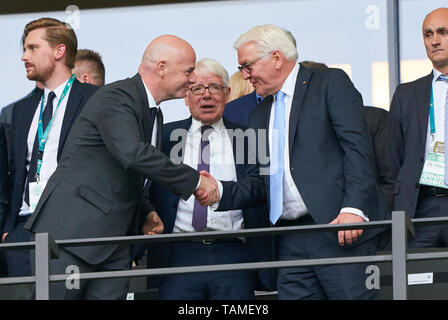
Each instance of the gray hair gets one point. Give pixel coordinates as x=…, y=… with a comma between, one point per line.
x=267, y=39
x=213, y=66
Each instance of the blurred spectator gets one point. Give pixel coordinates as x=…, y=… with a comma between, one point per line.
x=89, y=67
x=239, y=87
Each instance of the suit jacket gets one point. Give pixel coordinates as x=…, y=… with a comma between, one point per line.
x=329, y=148
x=166, y=202
x=377, y=124
x=5, y=122
x=96, y=189
x=6, y=118
x=238, y=110
x=22, y=117
x=408, y=125
x=4, y=178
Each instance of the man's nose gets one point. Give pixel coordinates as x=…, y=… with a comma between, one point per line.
x=246, y=75
x=435, y=40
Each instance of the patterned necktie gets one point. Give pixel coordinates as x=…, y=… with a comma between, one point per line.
x=445, y=78
x=199, y=221
x=276, y=177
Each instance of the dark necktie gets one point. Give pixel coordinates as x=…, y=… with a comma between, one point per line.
x=48, y=111
x=46, y=117
x=156, y=115
x=159, y=119
x=199, y=221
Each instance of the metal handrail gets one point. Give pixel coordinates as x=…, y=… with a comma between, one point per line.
x=400, y=225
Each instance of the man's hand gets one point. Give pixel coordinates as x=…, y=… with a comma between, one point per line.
x=207, y=193
x=153, y=224
x=4, y=236
x=348, y=236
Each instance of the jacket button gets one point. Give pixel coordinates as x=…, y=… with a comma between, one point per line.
x=416, y=185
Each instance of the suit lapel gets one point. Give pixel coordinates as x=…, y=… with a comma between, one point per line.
x=265, y=114
x=239, y=167
x=146, y=119
x=422, y=100
x=27, y=120
x=73, y=107
x=184, y=124
x=302, y=82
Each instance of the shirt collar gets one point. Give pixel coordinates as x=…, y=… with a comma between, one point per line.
x=436, y=74
x=151, y=101
x=58, y=91
x=258, y=97
x=288, y=86
x=217, y=126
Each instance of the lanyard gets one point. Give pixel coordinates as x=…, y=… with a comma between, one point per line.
x=431, y=114
x=42, y=136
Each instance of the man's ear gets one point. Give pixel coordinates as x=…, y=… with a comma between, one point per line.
x=60, y=51
x=227, y=94
x=277, y=58
x=187, y=102
x=161, y=68
x=86, y=78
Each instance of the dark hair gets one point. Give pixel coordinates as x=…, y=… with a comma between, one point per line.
x=57, y=32
x=315, y=65
x=95, y=62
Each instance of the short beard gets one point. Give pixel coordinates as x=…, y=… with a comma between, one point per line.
x=42, y=76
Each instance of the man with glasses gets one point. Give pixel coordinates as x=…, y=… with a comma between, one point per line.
x=207, y=142
x=320, y=168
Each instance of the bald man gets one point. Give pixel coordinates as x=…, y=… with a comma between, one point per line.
x=111, y=155
x=416, y=143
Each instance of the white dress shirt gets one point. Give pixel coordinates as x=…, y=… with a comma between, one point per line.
x=222, y=167
x=152, y=104
x=293, y=205
x=49, y=159
x=440, y=90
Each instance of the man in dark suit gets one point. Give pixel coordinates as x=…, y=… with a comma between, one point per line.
x=49, y=52
x=206, y=100
x=5, y=153
x=323, y=171
x=96, y=189
x=417, y=129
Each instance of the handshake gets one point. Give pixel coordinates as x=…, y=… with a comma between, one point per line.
x=207, y=193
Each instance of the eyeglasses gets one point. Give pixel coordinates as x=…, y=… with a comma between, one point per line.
x=248, y=65
x=212, y=88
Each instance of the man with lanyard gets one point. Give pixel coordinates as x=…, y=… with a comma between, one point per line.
x=40, y=125
x=417, y=131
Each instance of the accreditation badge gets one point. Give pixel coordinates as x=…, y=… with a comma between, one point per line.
x=36, y=189
x=434, y=169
